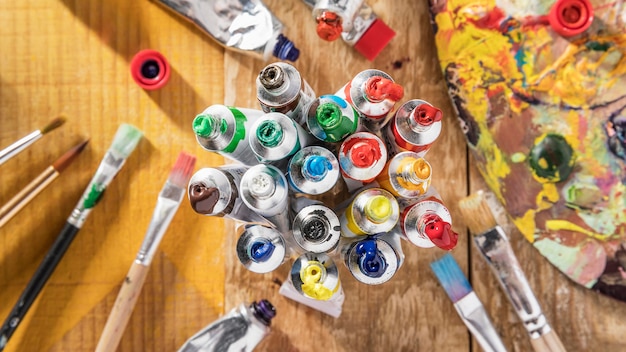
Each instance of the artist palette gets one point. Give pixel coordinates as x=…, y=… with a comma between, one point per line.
x=539, y=91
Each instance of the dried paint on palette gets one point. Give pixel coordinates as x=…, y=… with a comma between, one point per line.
x=545, y=116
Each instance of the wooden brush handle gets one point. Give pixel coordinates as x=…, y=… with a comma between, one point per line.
x=123, y=308
x=549, y=342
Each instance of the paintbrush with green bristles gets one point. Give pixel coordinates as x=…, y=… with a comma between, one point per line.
x=126, y=139
x=24, y=142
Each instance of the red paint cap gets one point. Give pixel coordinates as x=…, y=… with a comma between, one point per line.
x=374, y=40
x=571, y=17
x=150, y=70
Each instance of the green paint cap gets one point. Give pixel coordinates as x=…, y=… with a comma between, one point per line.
x=328, y=115
x=203, y=125
x=269, y=133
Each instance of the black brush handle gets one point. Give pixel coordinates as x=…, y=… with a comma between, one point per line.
x=37, y=282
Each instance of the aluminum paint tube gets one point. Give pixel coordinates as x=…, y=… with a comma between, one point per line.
x=414, y=127
x=222, y=129
x=373, y=260
x=372, y=211
x=406, y=175
x=263, y=188
x=260, y=249
x=215, y=192
x=373, y=94
x=315, y=227
x=280, y=88
x=274, y=137
x=241, y=329
x=335, y=16
x=246, y=26
x=426, y=223
x=362, y=156
x=313, y=170
x=330, y=118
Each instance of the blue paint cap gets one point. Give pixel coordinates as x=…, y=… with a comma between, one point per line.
x=261, y=250
x=371, y=262
x=316, y=167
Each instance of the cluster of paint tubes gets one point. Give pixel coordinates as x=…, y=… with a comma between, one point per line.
x=321, y=179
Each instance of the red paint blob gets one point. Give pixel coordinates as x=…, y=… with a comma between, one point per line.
x=329, y=26
x=363, y=152
x=426, y=115
x=379, y=89
x=440, y=232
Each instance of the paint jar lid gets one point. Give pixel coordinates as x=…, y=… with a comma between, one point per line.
x=150, y=70
x=571, y=17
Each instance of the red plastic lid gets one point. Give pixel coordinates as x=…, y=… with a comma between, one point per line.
x=329, y=26
x=374, y=40
x=571, y=17
x=150, y=69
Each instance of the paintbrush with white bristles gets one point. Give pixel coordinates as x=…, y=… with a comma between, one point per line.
x=494, y=246
x=24, y=142
x=167, y=204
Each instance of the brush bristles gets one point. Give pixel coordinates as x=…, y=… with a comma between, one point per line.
x=451, y=277
x=52, y=125
x=182, y=170
x=126, y=139
x=477, y=214
x=66, y=159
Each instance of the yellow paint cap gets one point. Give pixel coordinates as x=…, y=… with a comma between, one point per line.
x=378, y=209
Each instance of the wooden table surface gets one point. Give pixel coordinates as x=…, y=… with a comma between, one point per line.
x=72, y=57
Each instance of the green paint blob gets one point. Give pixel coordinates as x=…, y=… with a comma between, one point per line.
x=597, y=46
x=203, y=125
x=269, y=133
x=240, y=130
x=518, y=157
x=334, y=123
x=328, y=115
x=93, y=197
x=552, y=158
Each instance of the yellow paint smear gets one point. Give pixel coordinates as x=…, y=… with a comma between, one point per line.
x=557, y=225
x=526, y=225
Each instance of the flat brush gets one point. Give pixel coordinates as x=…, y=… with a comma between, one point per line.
x=37, y=185
x=494, y=246
x=466, y=303
x=126, y=139
x=24, y=142
x=167, y=204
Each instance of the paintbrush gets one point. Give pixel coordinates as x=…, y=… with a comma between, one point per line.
x=167, y=204
x=126, y=139
x=24, y=142
x=493, y=244
x=466, y=303
x=37, y=185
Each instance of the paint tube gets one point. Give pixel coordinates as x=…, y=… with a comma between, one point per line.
x=280, y=88
x=215, y=192
x=263, y=188
x=330, y=118
x=222, y=129
x=260, y=249
x=314, y=282
x=362, y=156
x=373, y=94
x=414, y=127
x=373, y=260
x=241, y=329
x=274, y=137
x=313, y=170
x=426, y=222
x=315, y=226
x=372, y=211
x=246, y=26
x=406, y=175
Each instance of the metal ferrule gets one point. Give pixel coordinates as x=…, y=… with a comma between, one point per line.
x=280, y=88
x=165, y=209
x=400, y=178
x=496, y=249
x=302, y=181
x=346, y=9
x=245, y=26
x=361, y=23
x=412, y=221
x=404, y=127
x=260, y=249
x=348, y=121
x=264, y=189
x=355, y=92
x=19, y=145
x=228, y=131
x=282, y=137
x=366, y=173
x=316, y=229
x=355, y=220
x=375, y=265
x=107, y=170
x=475, y=317
x=315, y=275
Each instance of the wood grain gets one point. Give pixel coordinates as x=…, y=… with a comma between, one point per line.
x=71, y=57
